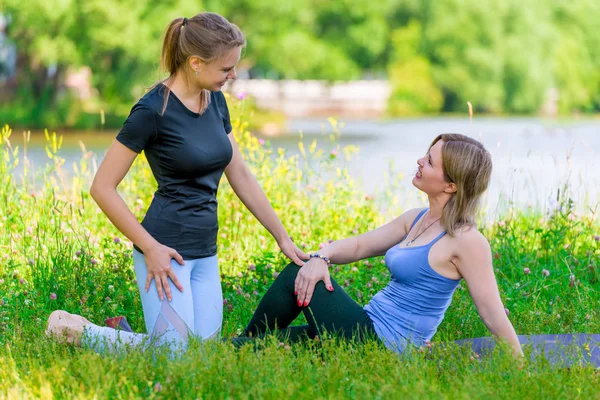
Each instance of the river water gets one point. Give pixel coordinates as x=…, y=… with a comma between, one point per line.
x=532, y=157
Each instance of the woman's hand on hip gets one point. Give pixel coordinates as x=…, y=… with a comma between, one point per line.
x=289, y=248
x=314, y=271
x=158, y=263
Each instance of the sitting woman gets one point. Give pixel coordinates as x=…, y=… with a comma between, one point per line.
x=428, y=252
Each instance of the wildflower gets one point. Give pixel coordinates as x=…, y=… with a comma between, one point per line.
x=261, y=141
x=30, y=262
x=22, y=281
x=240, y=275
x=93, y=261
x=526, y=271
x=117, y=240
x=111, y=288
x=506, y=311
x=566, y=246
x=52, y=296
x=78, y=253
x=502, y=224
x=354, y=269
x=545, y=272
x=571, y=280
x=2, y=303
x=225, y=302
x=252, y=267
x=330, y=241
x=369, y=284
x=241, y=95
x=157, y=387
x=1, y=281
x=597, y=238
x=255, y=293
x=83, y=300
x=496, y=255
x=334, y=153
x=275, y=274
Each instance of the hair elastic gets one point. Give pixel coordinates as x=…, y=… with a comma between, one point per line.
x=184, y=22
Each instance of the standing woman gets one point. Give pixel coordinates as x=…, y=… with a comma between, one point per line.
x=183, y=126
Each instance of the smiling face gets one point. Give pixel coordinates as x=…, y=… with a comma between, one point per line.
x=214, y=74
x=430, y=177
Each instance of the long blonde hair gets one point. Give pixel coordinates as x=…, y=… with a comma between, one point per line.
x=468, y=165
x=205, y=35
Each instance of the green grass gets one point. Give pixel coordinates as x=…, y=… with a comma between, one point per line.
x=58, y=251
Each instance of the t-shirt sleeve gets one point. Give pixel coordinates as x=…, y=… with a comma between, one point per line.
x=139, y=128
x=224, y=110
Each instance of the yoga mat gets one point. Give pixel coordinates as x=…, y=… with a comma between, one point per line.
x=561, y=350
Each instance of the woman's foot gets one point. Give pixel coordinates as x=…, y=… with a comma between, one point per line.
x=66, y=327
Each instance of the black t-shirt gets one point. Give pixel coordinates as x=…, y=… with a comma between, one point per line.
x=187, y=153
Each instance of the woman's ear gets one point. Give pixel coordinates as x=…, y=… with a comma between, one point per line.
x=196, y=63
x=450, y=188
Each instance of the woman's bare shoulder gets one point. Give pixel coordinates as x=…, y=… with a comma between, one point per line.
x=409, y=217
x=469, y=239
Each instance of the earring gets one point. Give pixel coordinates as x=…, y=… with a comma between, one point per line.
x=195, y=72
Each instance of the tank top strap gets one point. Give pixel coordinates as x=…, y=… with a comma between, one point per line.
x=423, y=211
x=436, y=239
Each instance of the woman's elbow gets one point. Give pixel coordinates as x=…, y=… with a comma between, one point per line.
x=97, y=190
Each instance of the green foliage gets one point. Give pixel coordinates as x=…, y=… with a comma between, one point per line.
x=499, y=55
x=413, y=89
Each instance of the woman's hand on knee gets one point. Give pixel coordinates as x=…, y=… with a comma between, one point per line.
x=309, y=275
x=158, y=263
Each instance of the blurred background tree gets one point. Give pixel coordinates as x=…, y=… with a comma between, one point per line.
x=502, y=56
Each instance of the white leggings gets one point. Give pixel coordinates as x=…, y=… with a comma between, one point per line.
x=198, y=310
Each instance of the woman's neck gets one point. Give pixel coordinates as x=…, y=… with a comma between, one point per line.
x=436, y=206
x=182, y=89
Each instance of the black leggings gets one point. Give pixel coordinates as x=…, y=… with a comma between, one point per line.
x=334, y=312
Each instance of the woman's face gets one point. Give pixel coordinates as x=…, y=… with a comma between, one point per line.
x=430, y=172
x=213, y=75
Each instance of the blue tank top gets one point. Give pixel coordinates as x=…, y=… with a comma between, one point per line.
x=412, y=306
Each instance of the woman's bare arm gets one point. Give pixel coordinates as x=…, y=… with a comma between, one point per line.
x=111, y=172
x=474, y=263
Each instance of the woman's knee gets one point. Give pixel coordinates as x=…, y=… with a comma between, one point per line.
x=289, y=272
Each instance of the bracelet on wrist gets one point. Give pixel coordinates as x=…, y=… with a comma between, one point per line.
x=317, y=255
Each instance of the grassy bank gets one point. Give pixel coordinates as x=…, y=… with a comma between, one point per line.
x=60, y=252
